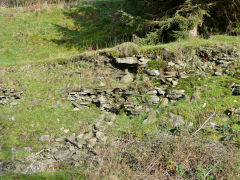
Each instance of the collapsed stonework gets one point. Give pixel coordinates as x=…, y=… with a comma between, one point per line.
x=84, y=146
x=74, y=150
x=6, y=95
x=114, y=100
x=217, y=62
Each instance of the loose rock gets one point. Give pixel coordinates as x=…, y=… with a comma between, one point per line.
x=177, y=120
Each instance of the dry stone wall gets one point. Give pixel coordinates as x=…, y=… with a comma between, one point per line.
x=217, y=62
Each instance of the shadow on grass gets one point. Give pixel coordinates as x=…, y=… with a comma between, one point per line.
x=97, y=24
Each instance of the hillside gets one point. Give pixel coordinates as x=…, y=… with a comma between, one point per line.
x=76, y=103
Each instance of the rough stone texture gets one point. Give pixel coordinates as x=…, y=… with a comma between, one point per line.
x=126, y=79
x=164, y=102
x=198, y=61
x=9, y=94
x=177, y=120
x=73, y=149
x=116, y=99
x=232, y=111
x=83, y=147
x=152, y=118
x=134, y=61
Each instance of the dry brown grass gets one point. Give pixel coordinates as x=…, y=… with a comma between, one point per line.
x=166, y=158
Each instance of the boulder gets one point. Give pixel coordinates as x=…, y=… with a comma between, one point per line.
x=154, y=99
x=164, y=102
x=152, y=118
x=127, y=61
x=153, y=72
x=126, y=79
x=177, y=120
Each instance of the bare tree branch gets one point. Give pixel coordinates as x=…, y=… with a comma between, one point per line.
x=202, y=126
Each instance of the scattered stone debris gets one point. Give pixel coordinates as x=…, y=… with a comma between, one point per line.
x=177, y=120
x=6, y=95
x=232, y=111
x=152, y=118
x=116, y=99
x=209, y=61
x=73, y=149
x=235, y=89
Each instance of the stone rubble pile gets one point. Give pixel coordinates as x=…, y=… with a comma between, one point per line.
x=6, y=95
x=235, y=89
x=198, y=62
x=74, y=150
x=122, y=98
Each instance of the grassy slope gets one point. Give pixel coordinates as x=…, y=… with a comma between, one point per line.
x=212, y=41
x=26, y=36
x=44, y=109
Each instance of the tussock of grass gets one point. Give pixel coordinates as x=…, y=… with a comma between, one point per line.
x=127, y=49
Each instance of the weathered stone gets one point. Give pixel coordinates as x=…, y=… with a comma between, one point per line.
x=127, y=61
x=99, y=126
x=88, y=136
x=142, y=61
x=101, y=136
x=110, y=118
x=236, y=92
x=170, y=74
x=218, y=73
x=174, y=83
x=153, y=72
x=92, y=142
x=164, y=102
x=232, y=111
x=154, y=99
x=61, y=139
x=175, y=94
x=9, y=94
x=36, y=166
x=44, y=138
x=126, y=79
x=48, y=162
x=81, y=142
x=154, y=92
x=76, y=109
x=152, y=118
x=62, y=154
x=177, y=120
x=160, y=90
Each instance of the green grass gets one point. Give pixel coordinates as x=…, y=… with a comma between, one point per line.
x=215, y=93
x=61, y=175
x=54, y=33
x=44, y=108
x=28, y=37
x=216, y=40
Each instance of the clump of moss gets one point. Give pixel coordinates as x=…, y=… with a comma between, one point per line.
x=127, y=49
x=156, y=64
